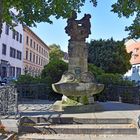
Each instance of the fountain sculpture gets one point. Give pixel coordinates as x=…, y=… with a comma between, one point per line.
x=77, y=81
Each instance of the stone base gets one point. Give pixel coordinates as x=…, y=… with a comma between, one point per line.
x=83, y=108
x=58, y=106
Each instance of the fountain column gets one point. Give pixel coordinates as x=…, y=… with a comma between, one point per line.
x=77, y=81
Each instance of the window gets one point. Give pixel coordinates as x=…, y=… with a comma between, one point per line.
x=133, y=69
x=37, y=47
x=27, y=40
x=42, y=51
x=3, y=49
x=12, y=52
x=34, y=58
x=12, y=71
x=18, y=72
x=14, y=34
x=46, y=54
x=17, y=36
x=26, y=54
x=18, y=55
x=7, y=29
x=30, y=56
x=138, y=68
x=30, y=42
x=37, y=59
x=34, y=45
x=41, y=61
x=20, y=40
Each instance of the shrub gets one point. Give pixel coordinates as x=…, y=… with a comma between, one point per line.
x=52, y=73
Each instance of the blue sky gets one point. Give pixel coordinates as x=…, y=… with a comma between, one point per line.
x=104, y=24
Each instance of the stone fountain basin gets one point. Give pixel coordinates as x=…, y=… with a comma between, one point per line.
x=77, y=89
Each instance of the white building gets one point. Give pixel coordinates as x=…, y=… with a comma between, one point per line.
x=11, y=51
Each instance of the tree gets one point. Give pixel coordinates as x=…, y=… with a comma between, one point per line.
x=109, y=55
x=55, y=52
x=35, y=11
x=129, y=8
x=52, y=73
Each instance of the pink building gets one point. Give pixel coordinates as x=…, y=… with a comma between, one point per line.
x=134, y=47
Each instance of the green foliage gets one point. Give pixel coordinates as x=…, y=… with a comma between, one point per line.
x=52, y=73
x=25, y=79
x=109, y=55
x=129, y=8
x=108, y=78
x=95, y=70
x=70, y=102
x=84, y=100
x=113, y=79
x=78, y=100
x=36, y=11
x=28, y=79
x=55, y=52
x=134, y=28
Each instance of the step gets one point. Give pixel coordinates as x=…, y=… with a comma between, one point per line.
x=37, y=136
x=97, y=129
x=72, y=120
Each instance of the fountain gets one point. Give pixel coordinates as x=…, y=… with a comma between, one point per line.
x=78, y=81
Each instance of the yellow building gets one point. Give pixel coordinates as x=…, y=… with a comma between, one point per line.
x=36, y=53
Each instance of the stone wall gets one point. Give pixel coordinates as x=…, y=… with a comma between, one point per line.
x=8, y=100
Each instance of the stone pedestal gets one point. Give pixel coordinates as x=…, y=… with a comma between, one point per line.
x=78, y=53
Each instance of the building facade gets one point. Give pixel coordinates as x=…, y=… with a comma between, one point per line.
x=36, y=53
x=11, y=51
x=134, y=73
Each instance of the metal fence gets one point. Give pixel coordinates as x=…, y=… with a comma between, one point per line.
x=8, y=100
x=32, y=91
x=126, y=94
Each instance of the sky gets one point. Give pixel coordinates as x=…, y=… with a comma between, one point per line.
x=104, y=25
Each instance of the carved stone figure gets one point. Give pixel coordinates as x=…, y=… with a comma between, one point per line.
x=78, y=30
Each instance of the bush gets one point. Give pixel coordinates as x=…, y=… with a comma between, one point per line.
x=95, y=70
x=52, y=73
x=108, y=78
x=25, y=79
x=28, y=79
x=113, y=79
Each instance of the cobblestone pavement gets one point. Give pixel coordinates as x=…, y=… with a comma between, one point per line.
x=34, y=107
